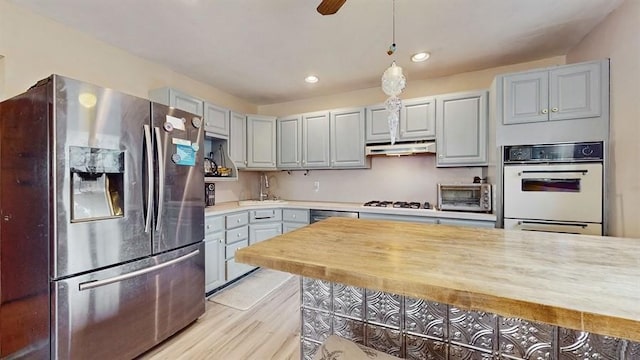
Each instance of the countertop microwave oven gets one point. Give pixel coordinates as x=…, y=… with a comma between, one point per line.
x=465, y=197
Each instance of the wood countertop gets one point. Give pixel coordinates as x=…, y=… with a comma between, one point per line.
x=588, y=283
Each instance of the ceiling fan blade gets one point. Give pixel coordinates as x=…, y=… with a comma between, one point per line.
x=330, y=7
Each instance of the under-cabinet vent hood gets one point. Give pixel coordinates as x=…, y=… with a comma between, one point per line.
x=401, y=149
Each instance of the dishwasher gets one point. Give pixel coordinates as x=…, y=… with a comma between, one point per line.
x=319, y=215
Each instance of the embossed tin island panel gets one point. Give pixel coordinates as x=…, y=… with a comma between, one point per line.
x=421, y=329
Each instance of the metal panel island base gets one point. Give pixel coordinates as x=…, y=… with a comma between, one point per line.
x=422, y=291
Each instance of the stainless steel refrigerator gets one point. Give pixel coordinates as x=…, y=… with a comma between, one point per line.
x=101, y=222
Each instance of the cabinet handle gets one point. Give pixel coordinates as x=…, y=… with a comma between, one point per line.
x=221, y=241
x=293, y=216
x=238, y=235
x=544, y=111
x=245, y=162
x=555, y=109
x=238, y=221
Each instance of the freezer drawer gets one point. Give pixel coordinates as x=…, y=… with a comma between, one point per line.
x=120, y=312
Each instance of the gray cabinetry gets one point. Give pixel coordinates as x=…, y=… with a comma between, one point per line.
x=294, y=219
x=462, y=129
x=566, y=92
x=238, y=139
x=237, y=237
x=289, y=140
x=177, y=99
x=214, y=243
x=261, y=142
x=417, y=121
x=394, y=217
x=347, y=138
x=315, y=140
x=264, y=224
x=465, y=222
x=216, y=120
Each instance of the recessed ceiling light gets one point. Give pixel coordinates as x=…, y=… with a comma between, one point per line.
x=421, y=56
x=311, y=79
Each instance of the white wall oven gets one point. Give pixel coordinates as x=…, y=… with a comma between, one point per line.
x=554, y=187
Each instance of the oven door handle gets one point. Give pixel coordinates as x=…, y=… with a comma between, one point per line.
x=525, y=222
x=581, y=171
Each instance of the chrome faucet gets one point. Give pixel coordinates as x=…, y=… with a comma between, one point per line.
x=264, y=187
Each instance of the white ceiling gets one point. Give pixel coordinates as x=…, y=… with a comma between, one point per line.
x=261, y=50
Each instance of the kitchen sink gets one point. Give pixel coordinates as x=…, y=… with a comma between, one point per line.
x=260, y=202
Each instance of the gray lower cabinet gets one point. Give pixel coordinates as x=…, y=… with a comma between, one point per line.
x=462, y=129
x=294, y=219
x=264, y=224
x=261, y=142
x=237, y=237
x=214, y=243
x=393, y=217
x=347, y=138
x=466, y=222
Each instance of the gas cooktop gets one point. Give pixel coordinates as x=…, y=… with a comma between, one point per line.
x=398, y=204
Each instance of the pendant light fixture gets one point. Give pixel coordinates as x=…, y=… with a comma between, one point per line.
x=393, y=82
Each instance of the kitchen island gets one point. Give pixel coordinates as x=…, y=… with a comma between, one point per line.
x=432, y=291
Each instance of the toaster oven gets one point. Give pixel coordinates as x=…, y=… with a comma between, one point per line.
x=465, y=197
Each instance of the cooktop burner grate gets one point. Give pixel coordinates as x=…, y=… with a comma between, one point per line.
x=398, y=204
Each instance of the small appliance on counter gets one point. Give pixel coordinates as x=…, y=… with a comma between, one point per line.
x=210, y=194
x=474, y=197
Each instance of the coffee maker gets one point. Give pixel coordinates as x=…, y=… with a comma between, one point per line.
x=210, y=194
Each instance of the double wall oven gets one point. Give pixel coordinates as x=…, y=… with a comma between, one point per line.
x=554, y=187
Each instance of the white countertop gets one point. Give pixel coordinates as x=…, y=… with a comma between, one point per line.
x=227, y=207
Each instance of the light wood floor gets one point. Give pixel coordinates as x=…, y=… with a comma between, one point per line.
x=269, y=330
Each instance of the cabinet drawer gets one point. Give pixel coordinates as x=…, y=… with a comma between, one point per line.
x=235, y=220
x=230, y=250
x=265, y=215
x=290, y=226
x=234, y=269
x=238, y=234
x=295, y=215
x=213, y=224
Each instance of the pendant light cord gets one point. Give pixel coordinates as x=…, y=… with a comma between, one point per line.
x=394, y=23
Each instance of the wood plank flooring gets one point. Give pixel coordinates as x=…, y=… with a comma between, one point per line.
x=269, y=330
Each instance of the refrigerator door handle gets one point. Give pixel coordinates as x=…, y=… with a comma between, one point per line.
x=160, y=178
x=97, y=283
x=148, y=149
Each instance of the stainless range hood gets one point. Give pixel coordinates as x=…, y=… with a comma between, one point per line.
x=401, y=149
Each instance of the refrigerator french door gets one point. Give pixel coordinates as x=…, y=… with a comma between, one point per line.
x=105, y=191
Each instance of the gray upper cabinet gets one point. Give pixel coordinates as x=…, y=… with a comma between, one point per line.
x=261, y=141
x=216, y=120
x=417, y=121
x=562, y=93
x=238, y=139
x=177, y=99
x=462, y=129
x=347, y=138
x=315, y=140
x=289, y=140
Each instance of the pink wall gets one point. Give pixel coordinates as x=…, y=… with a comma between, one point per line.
x=617, y=38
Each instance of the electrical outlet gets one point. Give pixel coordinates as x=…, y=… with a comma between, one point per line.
x=316, y=186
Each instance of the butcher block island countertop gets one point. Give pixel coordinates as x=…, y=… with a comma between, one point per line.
x=588, y=283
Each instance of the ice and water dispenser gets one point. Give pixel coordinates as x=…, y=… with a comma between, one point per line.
x=97, y=183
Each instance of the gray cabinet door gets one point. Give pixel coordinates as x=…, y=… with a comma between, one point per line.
x=261, y=141
x=315, y=140
x=347, y=138
x=462, y=121
x=377, y=124
x=238, y=139
x=526, y=97
x=465, y=222
x=418, y=119
x=185, y=102
x=214, y=261
x=289, y=140
x=262, y=232
x=216, y=119
x=574, y=92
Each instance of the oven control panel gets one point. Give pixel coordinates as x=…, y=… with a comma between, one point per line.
x=566, y=152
